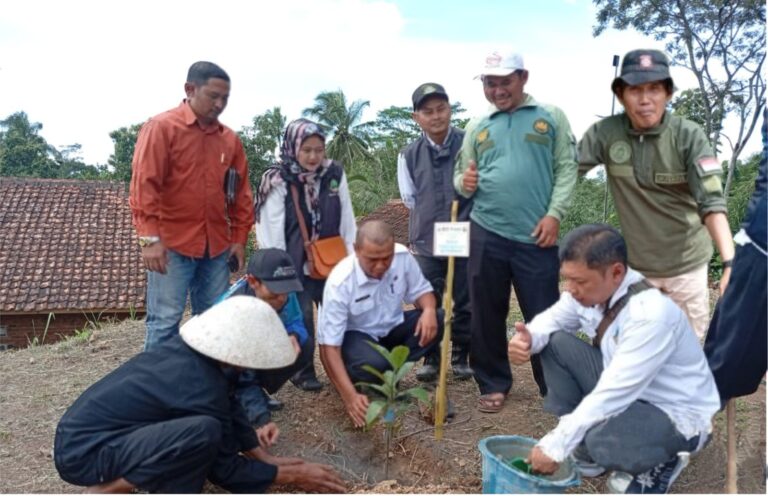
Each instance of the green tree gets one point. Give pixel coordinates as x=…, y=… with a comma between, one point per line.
x=23, y=152
x=721, y=41
x=690, y=104
x=262, y=141
x=120, y=160
x=374, y=181
x=69, y=165
x=348, y=139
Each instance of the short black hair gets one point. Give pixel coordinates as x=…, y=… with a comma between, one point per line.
x=200, y=72
x=596, y=245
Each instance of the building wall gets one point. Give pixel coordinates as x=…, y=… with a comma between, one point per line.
x=21, y=330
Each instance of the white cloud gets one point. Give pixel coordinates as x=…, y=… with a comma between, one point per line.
x=86, y=68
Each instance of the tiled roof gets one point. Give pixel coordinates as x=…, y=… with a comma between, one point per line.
x=67, y=245
x=394, y=213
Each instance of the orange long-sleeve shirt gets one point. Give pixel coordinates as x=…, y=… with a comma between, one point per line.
x=177, y=187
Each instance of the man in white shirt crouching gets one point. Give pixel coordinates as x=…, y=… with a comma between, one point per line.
x=640, y=399
x=363, y=302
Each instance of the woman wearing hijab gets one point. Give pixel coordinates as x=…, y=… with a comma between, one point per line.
x=325, y=205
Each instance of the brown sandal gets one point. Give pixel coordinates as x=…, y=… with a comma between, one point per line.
x=491, y=403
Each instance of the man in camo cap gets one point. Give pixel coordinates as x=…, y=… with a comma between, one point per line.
x=665, y=181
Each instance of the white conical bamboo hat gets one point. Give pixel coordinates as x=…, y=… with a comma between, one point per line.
x=243, y=331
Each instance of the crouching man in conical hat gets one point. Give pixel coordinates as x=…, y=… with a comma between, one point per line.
x=166, y=420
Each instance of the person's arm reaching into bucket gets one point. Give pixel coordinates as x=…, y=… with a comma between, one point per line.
x=541, y=463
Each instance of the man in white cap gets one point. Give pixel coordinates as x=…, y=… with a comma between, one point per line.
x=518, y=164
x=165, y=421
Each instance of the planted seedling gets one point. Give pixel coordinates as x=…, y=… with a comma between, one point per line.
x=392, y=403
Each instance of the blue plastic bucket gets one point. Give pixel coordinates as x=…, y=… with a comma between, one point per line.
x=500, y=478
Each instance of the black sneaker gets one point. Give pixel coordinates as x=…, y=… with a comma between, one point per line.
x=308, y=384
x=461, y=370
x=659, y=479
x=427, y=373
x=273, y=404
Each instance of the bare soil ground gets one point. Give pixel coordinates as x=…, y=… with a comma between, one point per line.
x=39, y=383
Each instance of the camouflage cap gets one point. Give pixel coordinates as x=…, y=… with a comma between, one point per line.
x=643, y=66
x=425, y=91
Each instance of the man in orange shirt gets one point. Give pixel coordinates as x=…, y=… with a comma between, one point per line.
x=191, y=202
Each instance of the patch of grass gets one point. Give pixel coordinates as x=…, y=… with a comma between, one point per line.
x=35, y=341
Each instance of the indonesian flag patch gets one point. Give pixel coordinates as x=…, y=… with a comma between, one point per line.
x=709, y=164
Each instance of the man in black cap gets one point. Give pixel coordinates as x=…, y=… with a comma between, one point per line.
x=424, y=176
x=271, y=277
x=665, y=181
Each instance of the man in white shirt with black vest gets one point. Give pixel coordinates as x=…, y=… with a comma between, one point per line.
x=425, y=179
x=363, y=302
x=641, y=398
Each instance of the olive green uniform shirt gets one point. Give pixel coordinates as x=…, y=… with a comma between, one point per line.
x=664, y=181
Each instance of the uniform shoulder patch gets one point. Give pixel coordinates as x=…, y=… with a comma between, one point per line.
x=620, y=152
x=709, y=164
x=541, y=126
x=483, y=135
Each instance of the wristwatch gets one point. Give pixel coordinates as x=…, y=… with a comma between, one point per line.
x=727, y=263
x=145, y=241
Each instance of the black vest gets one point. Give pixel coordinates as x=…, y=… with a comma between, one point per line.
x=432, y=175
x=330, y=214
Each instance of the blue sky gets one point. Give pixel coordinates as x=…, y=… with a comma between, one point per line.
x=84, y=68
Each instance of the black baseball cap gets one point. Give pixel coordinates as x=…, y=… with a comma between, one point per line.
x=425, y=91
x=643, y=66
x=275, y=269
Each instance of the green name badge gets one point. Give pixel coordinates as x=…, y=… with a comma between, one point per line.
x=670, y=178
x=536, y=138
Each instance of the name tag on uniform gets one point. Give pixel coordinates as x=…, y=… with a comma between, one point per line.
x=451, y=239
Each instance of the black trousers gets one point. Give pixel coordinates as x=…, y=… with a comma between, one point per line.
x=496, y=264
x=311, y=296
x=435, y=270
x=356, y=351
x=168, y=457
x=736, y=340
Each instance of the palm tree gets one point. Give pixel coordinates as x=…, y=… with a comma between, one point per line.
x=348, y=139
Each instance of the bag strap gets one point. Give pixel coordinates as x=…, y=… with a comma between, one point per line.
x=302, y=224
x=611, y=314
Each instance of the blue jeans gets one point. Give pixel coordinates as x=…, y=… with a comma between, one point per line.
x=204, y=279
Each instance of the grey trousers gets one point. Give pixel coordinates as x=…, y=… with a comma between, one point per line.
x=634, y=441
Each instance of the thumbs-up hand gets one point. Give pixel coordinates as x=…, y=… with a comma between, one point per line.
x=469, y=179
x=519, y=349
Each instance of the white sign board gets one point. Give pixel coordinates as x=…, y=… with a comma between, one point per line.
x=451, y=239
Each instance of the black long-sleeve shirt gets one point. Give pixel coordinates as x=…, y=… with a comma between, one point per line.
x=168, y=382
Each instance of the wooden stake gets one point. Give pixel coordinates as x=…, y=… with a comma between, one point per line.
x=441, y=395
x=731, y=472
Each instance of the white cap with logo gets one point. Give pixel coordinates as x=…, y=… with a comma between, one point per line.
x=243, y=331
x=501, y=64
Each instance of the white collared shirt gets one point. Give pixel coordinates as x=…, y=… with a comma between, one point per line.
x=650, y=353
x=354, y=301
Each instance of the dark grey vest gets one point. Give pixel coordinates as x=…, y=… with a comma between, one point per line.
x=432, y=175
x=330, y=212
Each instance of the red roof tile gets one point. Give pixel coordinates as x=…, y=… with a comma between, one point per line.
x=68, y=245
x=394, y=213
